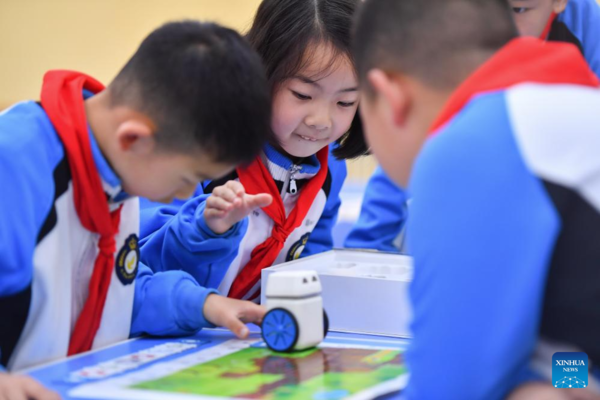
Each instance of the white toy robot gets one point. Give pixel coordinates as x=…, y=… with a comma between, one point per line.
x=295, y=318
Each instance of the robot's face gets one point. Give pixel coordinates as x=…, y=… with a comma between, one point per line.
x=293, y=284
x=309, y=280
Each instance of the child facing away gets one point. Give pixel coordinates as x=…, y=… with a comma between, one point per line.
x=304, y=45
x=182, y=110
x=384, y=208
x=498, y=136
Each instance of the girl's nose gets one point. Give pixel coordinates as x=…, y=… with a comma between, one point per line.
x=319, y=120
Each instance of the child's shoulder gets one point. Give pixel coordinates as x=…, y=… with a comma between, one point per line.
x=573, y=5
x=578, y=24
x=580, y=16
x=22, y=113
x=30, y=150
x=26, y=129
x=337, y=167
x=336, y=175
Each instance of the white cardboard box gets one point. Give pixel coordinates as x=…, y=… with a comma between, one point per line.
x=363, y=291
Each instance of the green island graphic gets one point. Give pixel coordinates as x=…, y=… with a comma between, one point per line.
x=258, y=373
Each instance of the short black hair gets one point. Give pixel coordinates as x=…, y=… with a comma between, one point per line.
x=432, y=40
x=203, y=86
x=283, y=32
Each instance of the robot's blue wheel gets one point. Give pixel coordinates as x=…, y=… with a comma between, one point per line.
x=280, y=330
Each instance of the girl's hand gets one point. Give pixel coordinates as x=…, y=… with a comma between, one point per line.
x=232, y=313
x=229, y=204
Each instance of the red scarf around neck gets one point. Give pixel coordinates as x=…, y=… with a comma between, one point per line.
x=521, y=60
x=256, y=179
x=62, y=99
x=548, y=26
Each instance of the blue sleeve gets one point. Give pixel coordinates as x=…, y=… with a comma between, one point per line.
x=29, y=152
x=321, y=238
x=177, y=238
x=382, y=216
x=153, y=215
x=582, y=17
x=481, y=231
x=168, y=304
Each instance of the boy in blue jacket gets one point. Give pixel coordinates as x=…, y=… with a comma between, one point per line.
x=182, y=110
x=384, y=209
x=498, y=137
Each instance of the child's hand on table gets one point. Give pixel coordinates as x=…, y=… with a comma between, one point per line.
x=232, y=313
x=21, y=387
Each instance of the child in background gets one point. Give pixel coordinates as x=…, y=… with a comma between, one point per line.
x=571, y=21
x=180, y=111
x=574, y=21
x=382, y=218
x=499, y=137
x=304, y=45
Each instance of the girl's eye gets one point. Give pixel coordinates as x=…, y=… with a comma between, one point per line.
x=300, y=95
x=520, y=10
x=346, y=104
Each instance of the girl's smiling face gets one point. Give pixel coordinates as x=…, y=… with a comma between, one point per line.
x=316, y=107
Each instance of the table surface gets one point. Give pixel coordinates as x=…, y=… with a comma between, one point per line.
x=56, y=375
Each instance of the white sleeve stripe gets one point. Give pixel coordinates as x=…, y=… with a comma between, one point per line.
x=557, y=128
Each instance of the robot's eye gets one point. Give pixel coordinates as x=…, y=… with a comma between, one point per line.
x=304, y=280
x=314, y=278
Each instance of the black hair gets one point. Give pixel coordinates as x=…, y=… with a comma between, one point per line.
x=283, y=32
x=203, y=87
x=436, y=41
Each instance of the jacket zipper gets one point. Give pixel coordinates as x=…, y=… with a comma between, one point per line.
x=294, y=169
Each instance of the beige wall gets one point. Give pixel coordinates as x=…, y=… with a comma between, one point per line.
x=93, y=36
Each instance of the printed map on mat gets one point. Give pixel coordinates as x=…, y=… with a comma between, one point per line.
x=258, y=373
x=340, y=368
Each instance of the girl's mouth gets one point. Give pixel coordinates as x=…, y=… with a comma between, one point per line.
x=307, y=138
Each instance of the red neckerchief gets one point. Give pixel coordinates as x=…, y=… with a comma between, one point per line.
x=546, y=31
x=521, y=60
x=62, y=99
x=257, y=179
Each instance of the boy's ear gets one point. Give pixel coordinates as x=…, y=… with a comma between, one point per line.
x=137, y=136
x=393, y=92
x=559, y=6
